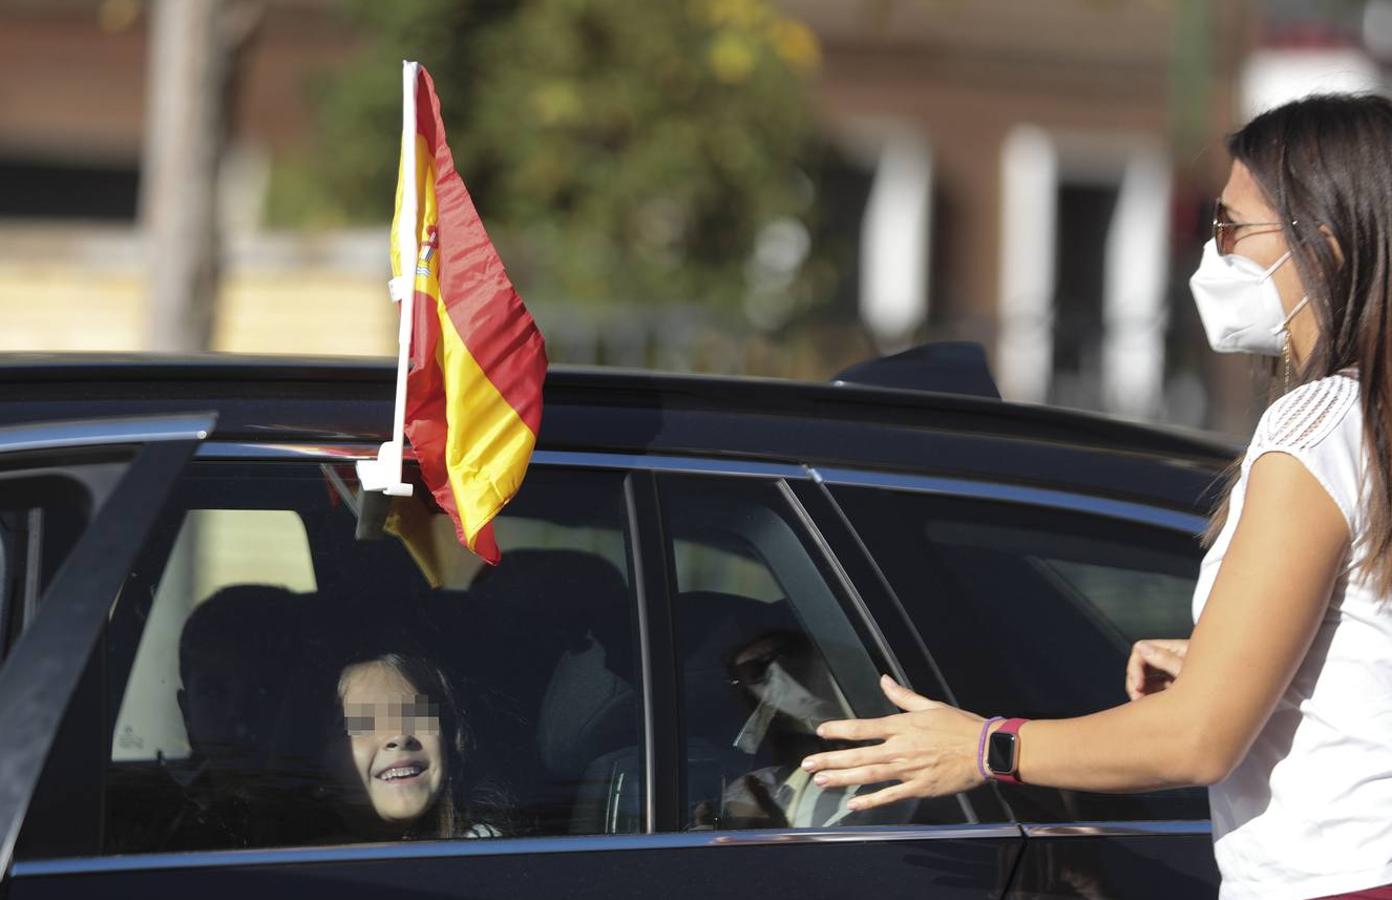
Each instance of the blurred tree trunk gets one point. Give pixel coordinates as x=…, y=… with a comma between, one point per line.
x=196, y=47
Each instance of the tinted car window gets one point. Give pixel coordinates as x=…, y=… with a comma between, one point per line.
x=271, y=680
x=1031, y=611
x=44, y=508
x=767, y=652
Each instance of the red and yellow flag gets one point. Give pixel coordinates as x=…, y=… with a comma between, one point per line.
x=473, y=392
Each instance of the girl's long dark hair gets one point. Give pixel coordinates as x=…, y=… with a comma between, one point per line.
x=1325, y=165
x=470, y=798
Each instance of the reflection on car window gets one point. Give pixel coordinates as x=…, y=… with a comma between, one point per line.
x=1031, y=612
x=767, y=654
x=1134, y=588
x=273, y=681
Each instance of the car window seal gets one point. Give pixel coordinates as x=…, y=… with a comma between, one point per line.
x=663, y=772
x=521, y=846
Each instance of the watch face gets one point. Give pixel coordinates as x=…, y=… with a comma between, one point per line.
x=1000, y=754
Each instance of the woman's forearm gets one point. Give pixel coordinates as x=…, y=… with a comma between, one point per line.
x=1151, y=743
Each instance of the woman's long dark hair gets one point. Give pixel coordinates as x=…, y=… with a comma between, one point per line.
x=469, y=798
x=1325, y=165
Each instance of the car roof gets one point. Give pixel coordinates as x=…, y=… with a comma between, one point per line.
x=113, y=375
x=344, y=399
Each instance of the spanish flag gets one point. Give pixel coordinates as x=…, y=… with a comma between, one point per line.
x=472, y=407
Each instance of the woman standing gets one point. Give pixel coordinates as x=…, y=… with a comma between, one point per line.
x=1281, y=701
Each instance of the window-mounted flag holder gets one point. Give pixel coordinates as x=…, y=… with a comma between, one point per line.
x=383, y=474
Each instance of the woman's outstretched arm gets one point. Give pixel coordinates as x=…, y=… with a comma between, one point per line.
x=1257, y=625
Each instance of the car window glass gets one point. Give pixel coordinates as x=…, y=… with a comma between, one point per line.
x=271, y=680
x=1132, y=588
x=216, y=550
x=1031, y=611
x=44, y=509
x=767, y=652
x=723, y=570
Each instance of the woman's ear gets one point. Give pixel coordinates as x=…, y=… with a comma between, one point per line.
x=1333, y=244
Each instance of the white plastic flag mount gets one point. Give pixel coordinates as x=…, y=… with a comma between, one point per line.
x=383, y=474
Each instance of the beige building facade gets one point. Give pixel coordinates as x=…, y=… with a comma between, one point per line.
x=1034, y=177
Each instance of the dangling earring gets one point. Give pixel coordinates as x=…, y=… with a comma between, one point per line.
x=1284, y=330
x=1285, y=362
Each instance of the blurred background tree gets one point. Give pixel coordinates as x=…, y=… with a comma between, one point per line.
x=619, y=150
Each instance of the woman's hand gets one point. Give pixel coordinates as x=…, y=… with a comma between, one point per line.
x=930, y=749
x=1153, y=666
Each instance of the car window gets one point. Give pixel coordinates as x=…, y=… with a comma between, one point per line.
x=1130, y=587
x=216, y=550
x=767, y=652
x=44, y=508
x=1030, y=611
x=275, y=676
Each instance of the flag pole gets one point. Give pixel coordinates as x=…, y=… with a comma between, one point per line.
x=384, y=473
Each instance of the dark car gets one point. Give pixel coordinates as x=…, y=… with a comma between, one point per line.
x=696, y=571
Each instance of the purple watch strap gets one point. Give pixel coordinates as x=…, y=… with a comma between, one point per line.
x=981, y=745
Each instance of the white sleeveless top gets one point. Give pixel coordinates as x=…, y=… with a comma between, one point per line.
x=1308, y=812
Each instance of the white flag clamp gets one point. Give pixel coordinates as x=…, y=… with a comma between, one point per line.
x=384, y=473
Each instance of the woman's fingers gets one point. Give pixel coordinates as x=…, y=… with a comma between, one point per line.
x=1162, y=655
x=883, y=796
x=846, y=759
x=1178, y=646
x=857, y=729
x=934, y=741
x=1153, y=664
x=1135, y=673
x=858, y=775
x=904, y=698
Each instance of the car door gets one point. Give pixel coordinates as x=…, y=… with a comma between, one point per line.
x=1028, y=601
x=771, y=635
x=213, y=760
x=76, y=499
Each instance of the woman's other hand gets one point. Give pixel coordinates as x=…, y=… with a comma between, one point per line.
x=930, y=749
x=1153, y=666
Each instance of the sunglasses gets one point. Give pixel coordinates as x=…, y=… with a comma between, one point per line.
x=1225, y=234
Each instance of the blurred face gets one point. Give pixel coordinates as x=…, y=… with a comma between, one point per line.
x=1244, y=201
x=394, y=732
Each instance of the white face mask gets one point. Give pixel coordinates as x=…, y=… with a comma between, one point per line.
x=1239, y=304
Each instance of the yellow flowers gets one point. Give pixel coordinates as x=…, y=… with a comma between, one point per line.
x=796, y=44
x=732, y=56
x=744, y=14
x=746, y=30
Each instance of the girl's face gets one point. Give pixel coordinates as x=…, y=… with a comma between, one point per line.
x=394, y=731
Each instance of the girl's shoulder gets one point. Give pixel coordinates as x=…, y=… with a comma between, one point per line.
x=1309, y=414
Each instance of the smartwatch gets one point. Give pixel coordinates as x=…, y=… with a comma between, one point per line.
x=1003, y=752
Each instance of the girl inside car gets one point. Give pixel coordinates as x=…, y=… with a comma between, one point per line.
x=407, y=757
x=1281, y=700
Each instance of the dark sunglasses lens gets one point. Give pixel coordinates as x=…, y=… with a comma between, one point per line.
x=1222, y=227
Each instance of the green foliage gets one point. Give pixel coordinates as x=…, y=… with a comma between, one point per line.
x=619, y=150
